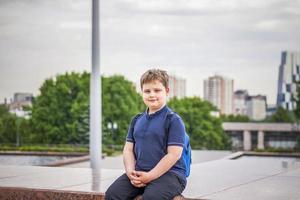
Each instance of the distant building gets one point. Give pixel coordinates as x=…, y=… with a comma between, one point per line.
x=250, y=135
x=239, y=99
x=289, y=74
x=177, y=86
x=219, y=91
x=256, y=107
x=23, y=97
x=19, y=102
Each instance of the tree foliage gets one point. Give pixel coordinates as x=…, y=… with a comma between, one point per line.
x=205, y=130
x=59, y=111
x=120, y=103
x=281, y=115
x=3, y=110
x=296, y=98
x=10, y=124
x=60, y=114
x=235, y=118
x=8, y=128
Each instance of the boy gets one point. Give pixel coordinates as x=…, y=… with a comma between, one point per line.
x=152, y=157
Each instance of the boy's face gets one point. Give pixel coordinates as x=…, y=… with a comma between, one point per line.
x=154, y=95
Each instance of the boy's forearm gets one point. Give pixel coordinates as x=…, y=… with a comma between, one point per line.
x=129, y=161
x=163, y=166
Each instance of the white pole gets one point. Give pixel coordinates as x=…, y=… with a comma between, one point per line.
x=95, y=92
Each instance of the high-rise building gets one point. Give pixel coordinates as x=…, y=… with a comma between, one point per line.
x=256, y=107
x=219, y=91
x=177, y=86
x=289, y=74
x=240, y=106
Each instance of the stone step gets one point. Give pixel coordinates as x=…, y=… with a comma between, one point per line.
x=14, y=193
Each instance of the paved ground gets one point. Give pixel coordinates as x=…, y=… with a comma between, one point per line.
x=117, y=162
x=244, y=178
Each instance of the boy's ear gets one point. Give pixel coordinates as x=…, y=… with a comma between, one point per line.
x=167, y=90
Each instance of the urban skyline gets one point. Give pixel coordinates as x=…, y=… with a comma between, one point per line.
x=192, y=39
x=9, y=94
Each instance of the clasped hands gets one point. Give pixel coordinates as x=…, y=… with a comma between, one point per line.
x=139, y=178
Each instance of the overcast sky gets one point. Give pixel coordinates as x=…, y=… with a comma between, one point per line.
x=193, y=39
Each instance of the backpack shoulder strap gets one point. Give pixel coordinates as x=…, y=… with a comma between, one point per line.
x=169, y=116
x=133, y=121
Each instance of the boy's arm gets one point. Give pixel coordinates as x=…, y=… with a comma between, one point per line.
x=129, y=163
x=128, y=158
x=173, y=155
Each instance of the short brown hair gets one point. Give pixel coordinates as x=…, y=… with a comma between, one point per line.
x=153, y=75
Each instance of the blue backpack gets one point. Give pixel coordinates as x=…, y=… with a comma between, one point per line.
x=187, y=150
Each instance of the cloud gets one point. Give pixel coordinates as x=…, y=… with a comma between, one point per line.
x=81, y=25
x=194, y=38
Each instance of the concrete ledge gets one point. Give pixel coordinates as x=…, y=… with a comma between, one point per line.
x=41, y=153
x=234, y=155
x=69, y=161
x=263, y=154
x=11, y=193
x=274, y=154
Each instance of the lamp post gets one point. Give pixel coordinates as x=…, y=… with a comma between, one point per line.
x=95, y=91
x=20, y=114
x=18, y=132
x=113, y=126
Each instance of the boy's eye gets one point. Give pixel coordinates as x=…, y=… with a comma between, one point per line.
x=146, y=91
x=157, y=90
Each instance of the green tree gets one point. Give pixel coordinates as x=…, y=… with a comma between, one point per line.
x=235, y=118
x=281, y=115
x=10, y=124
x=8, y=129
x=205, y=130
x=60, y=114
x=3, y=110
x=58, y=111
x=297, y=100
x=120, y=103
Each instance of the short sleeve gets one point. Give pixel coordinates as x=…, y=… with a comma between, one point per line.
x=176, y=132
x=129, y=137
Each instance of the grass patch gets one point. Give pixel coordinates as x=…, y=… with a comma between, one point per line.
x=45, y=148
x=62, y=148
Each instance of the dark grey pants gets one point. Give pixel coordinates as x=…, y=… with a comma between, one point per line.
x=165, y=187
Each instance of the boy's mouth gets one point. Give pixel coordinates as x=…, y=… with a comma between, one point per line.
x=152, y=100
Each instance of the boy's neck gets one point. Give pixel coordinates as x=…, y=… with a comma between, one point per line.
x=152, y=112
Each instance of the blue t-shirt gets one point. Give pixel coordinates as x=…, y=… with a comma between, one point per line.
x=150, y=138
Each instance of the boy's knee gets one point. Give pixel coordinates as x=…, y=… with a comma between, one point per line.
x=157, y=195
x=110, y=195
x=151, y=196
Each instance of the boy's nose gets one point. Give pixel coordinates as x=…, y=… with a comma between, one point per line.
x=152, y=94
